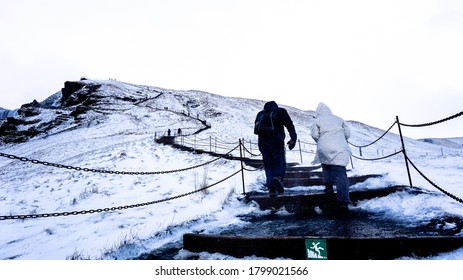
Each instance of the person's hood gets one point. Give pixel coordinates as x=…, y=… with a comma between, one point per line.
x=323, y=110
x=270, y=105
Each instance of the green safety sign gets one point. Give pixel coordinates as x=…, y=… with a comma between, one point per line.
x=316, y=249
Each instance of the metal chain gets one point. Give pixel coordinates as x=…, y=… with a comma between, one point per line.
x=432, y=183
x=376, y=139
x=249, y=152
x=252, y=170
x=56, y=214
x=436, y=122
x=110, y=209
x=34, y=161
x=393, y=154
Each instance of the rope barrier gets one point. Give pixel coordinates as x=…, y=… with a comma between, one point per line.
x=433, y=184
x=111, y=209
x=436, y=122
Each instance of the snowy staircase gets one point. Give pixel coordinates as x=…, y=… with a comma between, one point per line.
x=297, y=176
x=359, y=235
x=313, y=198
x=307, y=176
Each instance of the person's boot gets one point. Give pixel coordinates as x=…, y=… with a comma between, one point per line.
x=278, y=184
x=272, y=193
x=329, y=189
x=271, y=190
x=342, y=209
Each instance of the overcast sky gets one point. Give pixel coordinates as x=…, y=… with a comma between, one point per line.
x=368, y=60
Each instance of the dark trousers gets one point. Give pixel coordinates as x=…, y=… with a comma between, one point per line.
x=336, y=175
x=273, y=155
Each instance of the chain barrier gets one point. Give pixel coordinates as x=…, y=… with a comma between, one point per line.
x=376, y=139
x=403, y=150
x=380, y=158
x=436, y=122
x=308, y=143
x=251, y=153
x=206, y=144
x=433, y=184
x=57, y=165
x=56, y=214
x=111, y=209
x=253, y=170
x=300, y=150
x=108, y=209
x=223, y=142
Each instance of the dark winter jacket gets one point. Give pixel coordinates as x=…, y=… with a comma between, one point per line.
x=282, y=120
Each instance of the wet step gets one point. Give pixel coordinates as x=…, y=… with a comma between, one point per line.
x=359, y=235
x=295, y=168
x=258, y=163
x=334, y=248
x=316, y=179
x=312, y=201
x=303, y=174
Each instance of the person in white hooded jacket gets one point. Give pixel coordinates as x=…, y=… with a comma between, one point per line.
x=333, y=152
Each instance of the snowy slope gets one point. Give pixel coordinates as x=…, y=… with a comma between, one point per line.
x=5, y=113
x=114, y=130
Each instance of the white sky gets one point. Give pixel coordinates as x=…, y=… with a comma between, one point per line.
x=368, y=60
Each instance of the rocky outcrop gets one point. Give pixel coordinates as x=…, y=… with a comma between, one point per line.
x=87, y=102
x=76, y=93
x=76, y=99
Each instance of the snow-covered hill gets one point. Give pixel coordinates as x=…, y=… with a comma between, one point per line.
x=111, y=126
x=5, y=113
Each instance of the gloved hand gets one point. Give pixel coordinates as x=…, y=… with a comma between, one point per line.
x=291, y=143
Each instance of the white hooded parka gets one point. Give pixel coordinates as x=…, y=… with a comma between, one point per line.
x=331, y=133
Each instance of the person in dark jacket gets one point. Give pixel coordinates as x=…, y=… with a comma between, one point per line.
x=272, y=145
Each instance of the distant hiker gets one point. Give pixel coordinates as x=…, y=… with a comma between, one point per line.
x=179, y=132
x=168, y=132
x=331, y=133
x=269, y=126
